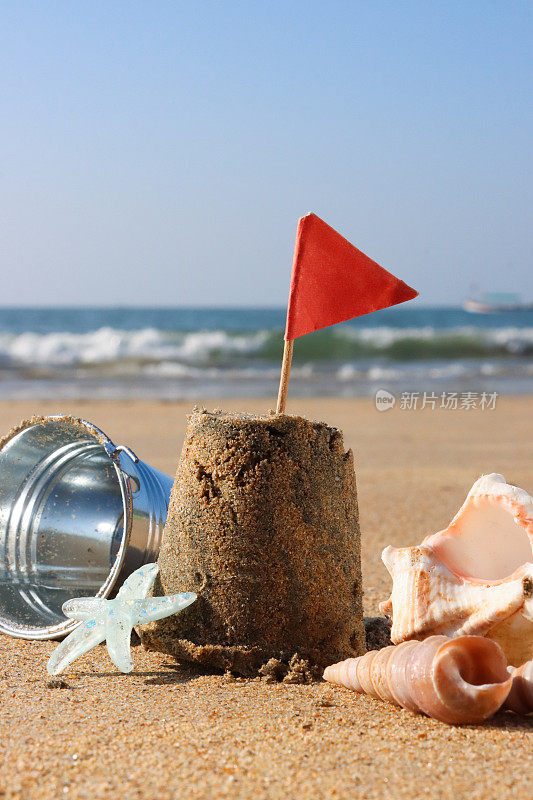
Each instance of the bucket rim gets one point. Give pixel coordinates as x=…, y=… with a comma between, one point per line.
x=113, y=452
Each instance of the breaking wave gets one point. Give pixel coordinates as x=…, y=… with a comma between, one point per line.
x=200, y=353
x=176, y=352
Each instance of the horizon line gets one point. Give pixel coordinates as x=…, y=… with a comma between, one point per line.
x=191, y=307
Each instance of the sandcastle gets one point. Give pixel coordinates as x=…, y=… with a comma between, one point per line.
x=263, y=526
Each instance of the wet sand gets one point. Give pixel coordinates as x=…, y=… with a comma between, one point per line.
x=167, y=731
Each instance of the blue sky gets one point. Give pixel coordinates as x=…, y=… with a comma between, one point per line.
x=162, y=152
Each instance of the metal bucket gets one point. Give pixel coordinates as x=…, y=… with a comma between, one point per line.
x=77, y=516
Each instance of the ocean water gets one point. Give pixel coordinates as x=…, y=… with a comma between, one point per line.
x=185, y=353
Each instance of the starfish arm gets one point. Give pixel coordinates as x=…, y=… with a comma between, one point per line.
x=118, y=636
x=83, y=608
x=86, y=636
x=139, y=583
x=161, y=607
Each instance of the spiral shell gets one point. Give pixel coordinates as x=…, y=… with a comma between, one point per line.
x=459, y=681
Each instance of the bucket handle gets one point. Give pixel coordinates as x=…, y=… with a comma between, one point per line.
x=114, y=451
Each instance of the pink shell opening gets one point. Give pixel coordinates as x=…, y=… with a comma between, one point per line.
x=490, y=538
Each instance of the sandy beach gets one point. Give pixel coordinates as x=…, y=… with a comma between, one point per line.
x=167, y=731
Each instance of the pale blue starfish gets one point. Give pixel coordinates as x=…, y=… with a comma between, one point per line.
x=113, y=620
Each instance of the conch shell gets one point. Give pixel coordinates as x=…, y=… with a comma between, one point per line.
x=459, y=681
x=475, y=577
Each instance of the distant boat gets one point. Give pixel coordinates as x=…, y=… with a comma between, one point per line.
x=494, y=303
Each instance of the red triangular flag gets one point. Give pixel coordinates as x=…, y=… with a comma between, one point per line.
x=333, y=281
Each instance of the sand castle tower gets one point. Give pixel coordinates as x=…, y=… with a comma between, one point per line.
x=263, y=525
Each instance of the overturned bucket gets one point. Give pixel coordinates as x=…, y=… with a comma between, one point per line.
x=78, y=514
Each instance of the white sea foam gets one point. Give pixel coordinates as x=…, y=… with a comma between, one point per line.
x=350, y=372
x=490, y=368
x=383, y=373
x=385, y=336
x=511, y=338
x=204, y=348
x=110, y=344
x=455, y=369
x=347, y=372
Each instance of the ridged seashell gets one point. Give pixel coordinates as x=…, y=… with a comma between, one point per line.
x=475, y=577
x=459, y=681
x=520, y=697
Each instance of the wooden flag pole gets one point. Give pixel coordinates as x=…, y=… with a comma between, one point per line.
x=285, y=374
